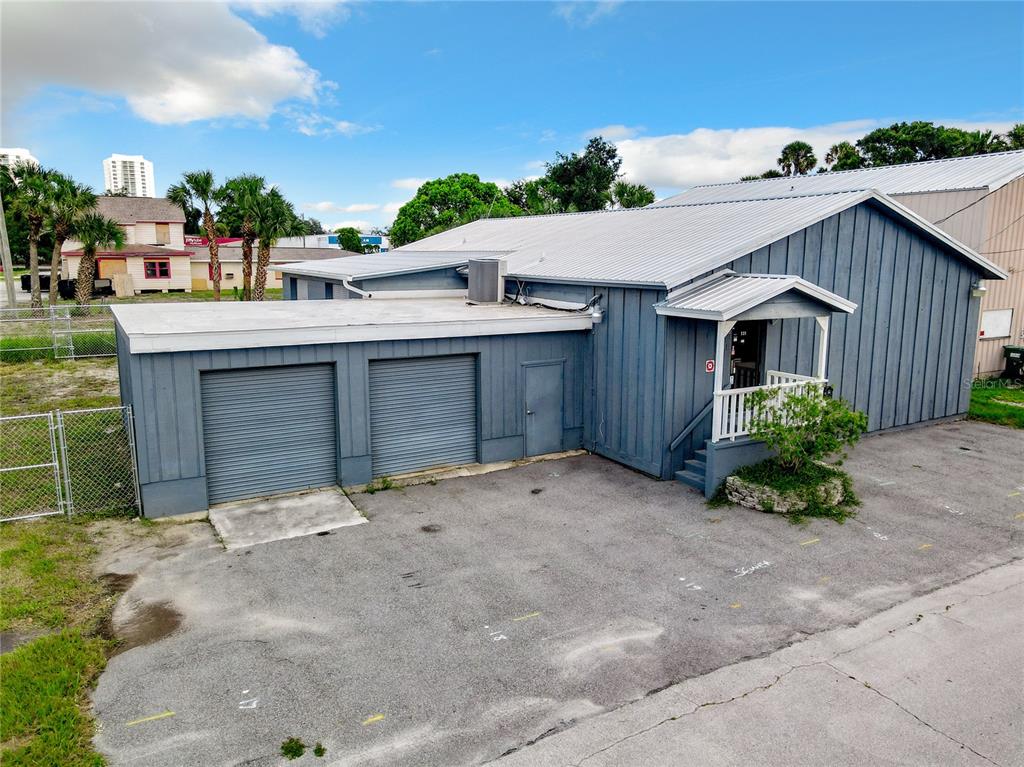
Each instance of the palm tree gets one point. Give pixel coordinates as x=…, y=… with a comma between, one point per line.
x=31, y=203
x=272, y=217
x=94, y=231
x=68, y=201
x=196, y=189
x=627, y=195
x=240, y=198
x=843, y=156
x=797, y=159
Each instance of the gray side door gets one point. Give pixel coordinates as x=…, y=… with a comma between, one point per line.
x=422, y=413
x=268, y=430
x=543, y=408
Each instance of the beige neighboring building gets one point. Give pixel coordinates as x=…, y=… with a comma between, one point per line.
x=978, y=200
x=231, y=264
x=154, y=252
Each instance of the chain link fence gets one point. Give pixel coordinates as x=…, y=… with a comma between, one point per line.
x=74, y=461
x=56, y=332
x=30, y=478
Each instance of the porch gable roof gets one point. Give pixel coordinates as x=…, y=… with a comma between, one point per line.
x=727, y=295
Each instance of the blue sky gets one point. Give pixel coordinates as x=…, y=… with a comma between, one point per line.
x=345, y=106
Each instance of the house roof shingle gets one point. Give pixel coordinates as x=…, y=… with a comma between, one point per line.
x=129, y=210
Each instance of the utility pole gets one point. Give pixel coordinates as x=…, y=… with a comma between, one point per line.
x=5, y=258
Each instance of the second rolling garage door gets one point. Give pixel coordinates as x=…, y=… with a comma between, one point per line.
x=268, y=430
x=422, y=413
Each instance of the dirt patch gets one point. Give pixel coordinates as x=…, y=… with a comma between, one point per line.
x=431, y=528
x=150, y=622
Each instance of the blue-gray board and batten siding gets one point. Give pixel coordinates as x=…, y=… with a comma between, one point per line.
x=904, y=356
x=321, y=287
x=165, y=391
x=638, y=379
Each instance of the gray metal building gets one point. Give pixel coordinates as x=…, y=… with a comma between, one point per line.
x=635, y=334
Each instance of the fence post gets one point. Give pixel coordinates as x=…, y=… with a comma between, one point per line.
x=60, y=464
x=129, y=415
x=62, y=441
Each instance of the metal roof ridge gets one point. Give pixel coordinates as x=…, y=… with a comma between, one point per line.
x=860, y=170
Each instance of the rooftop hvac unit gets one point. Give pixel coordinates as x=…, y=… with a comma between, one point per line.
x=486, y=280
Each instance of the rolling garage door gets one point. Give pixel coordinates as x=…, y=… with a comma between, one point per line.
x=268, y=430
x=422, y=413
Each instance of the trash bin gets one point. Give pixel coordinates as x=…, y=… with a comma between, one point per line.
x=1014, y=356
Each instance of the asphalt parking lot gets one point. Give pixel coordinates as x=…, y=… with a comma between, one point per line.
x=471, y=617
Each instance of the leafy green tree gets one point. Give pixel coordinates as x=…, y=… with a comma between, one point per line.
x=448, y=202
x=31, y=203
x=843, y=156
x=627, y=195
x=69, y=200
x=237, y=210
x=797, y=159
x=1014, y=137
x=273, y=218
x=770, y=173
x=535, y=196
x=198, y=189
x=312, y=226
x=94, y=231
x=919, y=140
x=583, y=182
x=348, y=239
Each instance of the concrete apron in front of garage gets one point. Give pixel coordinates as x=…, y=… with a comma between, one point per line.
x=278, y=517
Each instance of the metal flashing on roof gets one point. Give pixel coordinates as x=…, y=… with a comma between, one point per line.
x=726, y=295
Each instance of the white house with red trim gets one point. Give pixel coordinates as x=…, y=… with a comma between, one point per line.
x=154, y=252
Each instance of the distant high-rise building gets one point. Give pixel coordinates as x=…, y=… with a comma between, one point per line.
x=129, y=173
x=13, y=155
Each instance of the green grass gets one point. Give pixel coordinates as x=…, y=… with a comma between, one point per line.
x=38, y=386
x=804, y=485
x=990, y=402
x=26, y=348
x=44, y=698
x=227, y=294
x=47, y=588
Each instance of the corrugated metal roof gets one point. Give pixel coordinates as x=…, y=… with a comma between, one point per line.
x=727, y=294
x=361, y=267
x=662, y=247
x=987, y=171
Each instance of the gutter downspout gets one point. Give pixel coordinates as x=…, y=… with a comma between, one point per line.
x=361, y=293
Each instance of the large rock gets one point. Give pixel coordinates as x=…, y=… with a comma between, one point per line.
x=763, y=498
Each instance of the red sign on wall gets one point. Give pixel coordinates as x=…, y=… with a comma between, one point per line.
x=709, y=366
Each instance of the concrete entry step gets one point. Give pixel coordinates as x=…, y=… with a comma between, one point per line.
x=279, y=517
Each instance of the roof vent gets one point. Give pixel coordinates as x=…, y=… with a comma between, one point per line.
x=487, y=280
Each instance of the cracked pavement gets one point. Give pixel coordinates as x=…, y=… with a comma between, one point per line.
x=471, y=618
x=936, y=680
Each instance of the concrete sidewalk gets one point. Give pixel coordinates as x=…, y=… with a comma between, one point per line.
x=937, y=680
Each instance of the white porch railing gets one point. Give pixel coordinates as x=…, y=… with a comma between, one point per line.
x=733, y=411
x=777, y=378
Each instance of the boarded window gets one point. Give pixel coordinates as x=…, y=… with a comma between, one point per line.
x=163, y=234
x=995, y=323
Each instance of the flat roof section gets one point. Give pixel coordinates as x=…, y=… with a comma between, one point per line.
x=154, y=328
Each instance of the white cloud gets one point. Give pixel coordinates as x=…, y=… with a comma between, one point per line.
x=615, y=132
x=392, y=208
x=320, y=207
x=361, y=207
x=536, y=165
x=314, y=16
x=312, y=123
x=360, y=224
x=326, y=206
x=547, y=135
x=409, y=183
x=172, y=63
x=705, y=156
x=584, y=14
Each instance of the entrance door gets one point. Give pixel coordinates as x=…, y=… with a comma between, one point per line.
x=543, y=408
x=747, y=360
